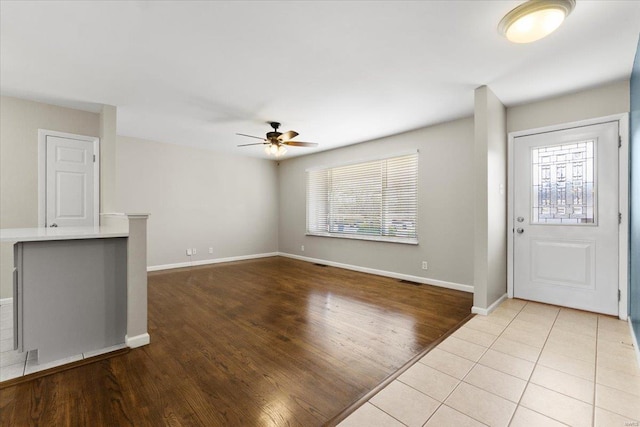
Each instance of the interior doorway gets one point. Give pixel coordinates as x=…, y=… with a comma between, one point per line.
x=68, y=180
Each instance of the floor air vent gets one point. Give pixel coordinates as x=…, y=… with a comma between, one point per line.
x=408, y=282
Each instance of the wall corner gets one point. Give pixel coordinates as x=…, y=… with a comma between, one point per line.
x=108, y=122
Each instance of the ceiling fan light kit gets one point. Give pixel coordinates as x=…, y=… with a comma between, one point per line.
x=275, y=143
x=534, y=19
x=275, y=149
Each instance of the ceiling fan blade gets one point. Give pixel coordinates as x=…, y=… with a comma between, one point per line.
x=288, y=135
x=256, y=143
x=250, y=136
x=300, y=144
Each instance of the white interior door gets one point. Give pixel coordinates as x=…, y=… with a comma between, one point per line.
x=566, y=218
x=70, y=182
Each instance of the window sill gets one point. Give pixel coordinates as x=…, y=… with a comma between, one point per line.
x=365, y=237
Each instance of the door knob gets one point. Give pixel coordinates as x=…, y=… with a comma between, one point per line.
x=53, y=224
x=520, y=230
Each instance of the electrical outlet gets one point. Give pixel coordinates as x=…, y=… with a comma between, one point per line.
x=424, y=265
x=302, y=248
x=210, y=250
x=188, y=252
x=194, y=251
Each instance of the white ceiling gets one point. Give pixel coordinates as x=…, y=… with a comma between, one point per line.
x=338, y=72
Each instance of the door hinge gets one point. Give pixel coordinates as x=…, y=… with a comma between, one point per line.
x=619, y=218
x=94, y=158
x=619, y=141
x=619, y=294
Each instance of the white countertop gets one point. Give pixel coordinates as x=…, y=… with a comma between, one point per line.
x=60, y=233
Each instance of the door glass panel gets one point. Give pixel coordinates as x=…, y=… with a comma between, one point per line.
x=563, y=184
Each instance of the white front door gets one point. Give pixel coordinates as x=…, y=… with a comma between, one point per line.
x=70, y=182
x=566, y=218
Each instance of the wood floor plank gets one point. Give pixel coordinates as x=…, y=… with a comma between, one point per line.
x=267, y=342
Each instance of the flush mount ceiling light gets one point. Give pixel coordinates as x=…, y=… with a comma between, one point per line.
x=534, y=19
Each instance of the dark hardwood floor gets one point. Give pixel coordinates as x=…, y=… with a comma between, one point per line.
x=267, y=342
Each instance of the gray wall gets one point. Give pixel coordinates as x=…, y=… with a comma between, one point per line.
x=445, y=206
x=612, y=98
x=634, y=291
x=198, y=199
x=19, y=123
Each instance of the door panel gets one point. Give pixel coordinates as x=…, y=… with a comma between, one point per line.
x=71, y=198
x=71, y=155
x=575, y=269
x=566, y=218
x=69, y=182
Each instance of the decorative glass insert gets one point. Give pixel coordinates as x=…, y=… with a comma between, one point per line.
x=563, y=184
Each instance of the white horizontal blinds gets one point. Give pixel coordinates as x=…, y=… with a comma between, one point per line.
x=318, y=201
x=401, y=197
x=376, y=199
x=355, y=199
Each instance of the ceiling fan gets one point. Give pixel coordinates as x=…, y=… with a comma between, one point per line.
x=275, y=141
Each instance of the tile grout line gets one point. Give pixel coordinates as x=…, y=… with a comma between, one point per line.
x=460, y=412
x=397, y=379
x=535, y=365
x=556, y=370
x=440, y=404
x=558, y=392
x=460, y=381
x=450, y=393
x=562, y=372
x=431, y=397
x=529, y=378
x=528, y=381
x=475, y=363
x=552, y=328
x=382, y=410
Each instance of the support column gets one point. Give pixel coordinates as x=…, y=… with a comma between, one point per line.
x=137, y=334
x=490, y=203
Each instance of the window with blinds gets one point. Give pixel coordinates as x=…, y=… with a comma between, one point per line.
x=376, y=200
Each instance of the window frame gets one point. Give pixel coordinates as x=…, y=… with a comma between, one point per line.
x=378, y=238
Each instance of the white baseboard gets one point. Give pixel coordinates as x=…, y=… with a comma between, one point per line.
x=209, y=261
x=137, y=341
x=487, y=311
x=6, y=301
x=418, y=279
x=635, y=340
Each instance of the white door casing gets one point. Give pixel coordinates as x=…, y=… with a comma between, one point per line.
x=68, y=180
x=565, y=252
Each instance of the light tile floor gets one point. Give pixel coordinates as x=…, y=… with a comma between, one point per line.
x=15, y=364
x=526, y=364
